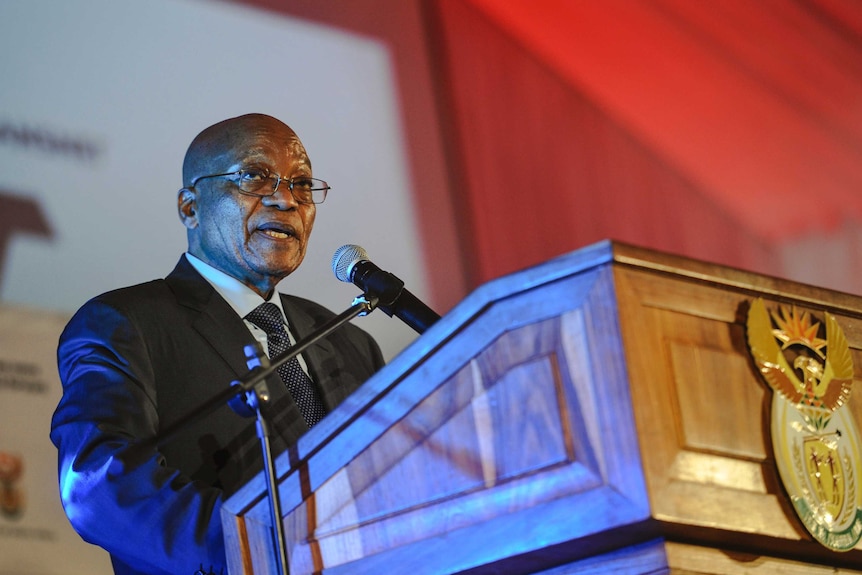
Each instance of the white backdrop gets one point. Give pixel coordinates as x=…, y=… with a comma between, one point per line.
x=98, y=102
x=136, y=81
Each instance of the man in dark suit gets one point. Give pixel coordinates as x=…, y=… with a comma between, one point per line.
x=134, y=360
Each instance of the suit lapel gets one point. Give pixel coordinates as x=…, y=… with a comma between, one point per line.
x=215, y=321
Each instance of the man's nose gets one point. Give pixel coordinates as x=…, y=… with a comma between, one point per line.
x=282, y=198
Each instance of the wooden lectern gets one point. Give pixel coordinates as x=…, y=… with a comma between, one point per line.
x=597, y=413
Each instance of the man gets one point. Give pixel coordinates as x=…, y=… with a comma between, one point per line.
x=135, y=360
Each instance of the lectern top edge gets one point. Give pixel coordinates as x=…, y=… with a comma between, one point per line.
x=723, y=275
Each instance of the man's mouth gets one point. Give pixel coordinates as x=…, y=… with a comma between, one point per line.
x=278, y=231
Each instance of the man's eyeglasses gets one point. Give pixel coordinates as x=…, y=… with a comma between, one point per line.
x=262, y=184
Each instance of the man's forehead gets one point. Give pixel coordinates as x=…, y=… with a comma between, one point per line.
x=263, y=145
x=256, y=136
x=239, y=139
x=267, y=155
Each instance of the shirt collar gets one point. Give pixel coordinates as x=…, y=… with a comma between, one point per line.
x=240, y=297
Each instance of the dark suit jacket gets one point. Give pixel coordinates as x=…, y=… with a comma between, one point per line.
x=135, y=360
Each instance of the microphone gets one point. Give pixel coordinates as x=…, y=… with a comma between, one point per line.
x=350, y=264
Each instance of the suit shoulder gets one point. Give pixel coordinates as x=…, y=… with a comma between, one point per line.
x=116, y=307
x=130, y=297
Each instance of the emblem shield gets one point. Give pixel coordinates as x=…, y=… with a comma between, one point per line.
x=814, y=438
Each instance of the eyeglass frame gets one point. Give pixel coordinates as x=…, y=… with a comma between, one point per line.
x=278, y=180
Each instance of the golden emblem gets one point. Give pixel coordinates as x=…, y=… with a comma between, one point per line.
x=816, y=445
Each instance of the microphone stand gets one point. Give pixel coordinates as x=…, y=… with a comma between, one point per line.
x=253, y=386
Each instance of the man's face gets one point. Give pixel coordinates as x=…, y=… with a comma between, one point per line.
x=256, y=240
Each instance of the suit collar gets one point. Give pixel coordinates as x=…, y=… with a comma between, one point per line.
x=188, y=286
x=215, y=321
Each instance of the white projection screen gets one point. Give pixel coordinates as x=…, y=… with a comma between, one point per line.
x=100, y=99
x=98, y=102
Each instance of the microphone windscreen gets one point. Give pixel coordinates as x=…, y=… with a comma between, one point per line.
x=345, y=258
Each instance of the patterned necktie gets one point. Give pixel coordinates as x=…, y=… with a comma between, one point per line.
x=268, y=317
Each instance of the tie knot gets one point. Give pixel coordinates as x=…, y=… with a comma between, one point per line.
x=267, y=317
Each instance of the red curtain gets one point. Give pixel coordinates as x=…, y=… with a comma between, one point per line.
x=544, y=171
x=726, y=131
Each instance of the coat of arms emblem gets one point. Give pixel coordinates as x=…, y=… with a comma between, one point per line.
x=814, y=438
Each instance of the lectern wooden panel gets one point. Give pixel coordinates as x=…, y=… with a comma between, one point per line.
x=598, y=412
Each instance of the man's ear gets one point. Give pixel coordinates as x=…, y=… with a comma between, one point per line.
x=187, y=207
